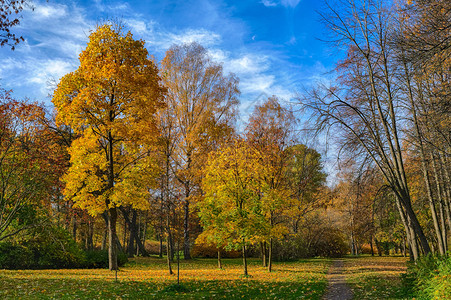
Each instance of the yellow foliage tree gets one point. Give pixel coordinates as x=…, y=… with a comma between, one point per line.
x=231, y=211
x=202, y=101
x=110, y=101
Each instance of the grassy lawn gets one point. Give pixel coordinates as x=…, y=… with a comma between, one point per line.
x=376, y=277
x=148, y=278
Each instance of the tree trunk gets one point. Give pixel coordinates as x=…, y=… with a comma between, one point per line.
x=244, y=260
x=112, y=242
x=169, y=253
x=447, y=189
x=219, y=259
x=443, y=237
x=371, y=246
x=169, y=247
x=378, y=247
x=186, y=243
x=263, y=253
x=160, y=248
x=124, y=237
x=270, y=254
x=134, y=231
x=90, y=235
x=74, y=227
x=412, y=227
x=133, y=234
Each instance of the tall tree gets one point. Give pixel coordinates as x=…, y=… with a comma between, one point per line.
x=270, y=133
x=110, y=101
x=305, y=178
x=232, y=210
x=366, y=105
x=203, y=102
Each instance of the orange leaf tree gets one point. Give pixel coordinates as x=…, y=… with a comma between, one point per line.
x=110, y=101
x=25, y=163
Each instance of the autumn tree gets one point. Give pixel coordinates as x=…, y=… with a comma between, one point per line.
x=365, y=105
x=202, y=101
x=231, y=210
x=422, y=40
x=270, y=134
x=9, y=17
x=110, y=101
x=305, y=177
x=28, y=168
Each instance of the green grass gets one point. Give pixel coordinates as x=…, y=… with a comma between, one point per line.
x=147, y=278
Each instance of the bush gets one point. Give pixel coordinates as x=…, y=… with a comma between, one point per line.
x=15, y=257
x=54, y=248
x=430, y=277
x=47, y=248
x=99, y=259
x=290, y=248
x=329, y=243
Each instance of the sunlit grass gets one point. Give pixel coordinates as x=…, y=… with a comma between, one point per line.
x=376, y=277
x=148, y=278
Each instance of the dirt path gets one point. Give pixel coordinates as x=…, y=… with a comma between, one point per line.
x=338, y=289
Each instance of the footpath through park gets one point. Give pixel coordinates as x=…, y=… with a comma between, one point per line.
x=338, y=289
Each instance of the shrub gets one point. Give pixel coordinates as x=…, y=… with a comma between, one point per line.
x=331, y=243
x=15, y=256
x=45, y=248
x=52, y=248
x=430, y=277
x=55, y=248
x=153, y=247
x=328, y=242
x=99, y=259
x=290, y=248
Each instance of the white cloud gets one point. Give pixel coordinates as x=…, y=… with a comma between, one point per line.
x=53, y=11
x=202, y=36
x=55, y=35
x=137, y=26
x=285, y=3
x=162, y=39
x=290, y=3
x=258, y=83
x=249, y=63
x=268, y=3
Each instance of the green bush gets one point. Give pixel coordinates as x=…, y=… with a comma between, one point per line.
x=430, y=277
x=15, y=256
x=99, y=259
x=44, y=248
x=54, y=248
x=290, y=248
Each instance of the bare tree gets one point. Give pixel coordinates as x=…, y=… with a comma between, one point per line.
x=366, y=105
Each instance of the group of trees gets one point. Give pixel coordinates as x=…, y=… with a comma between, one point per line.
x=253, y=185
x=130, y=140
x=391, y=103
x=155, y=147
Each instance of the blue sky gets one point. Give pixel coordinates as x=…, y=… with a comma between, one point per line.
x=271, y=45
